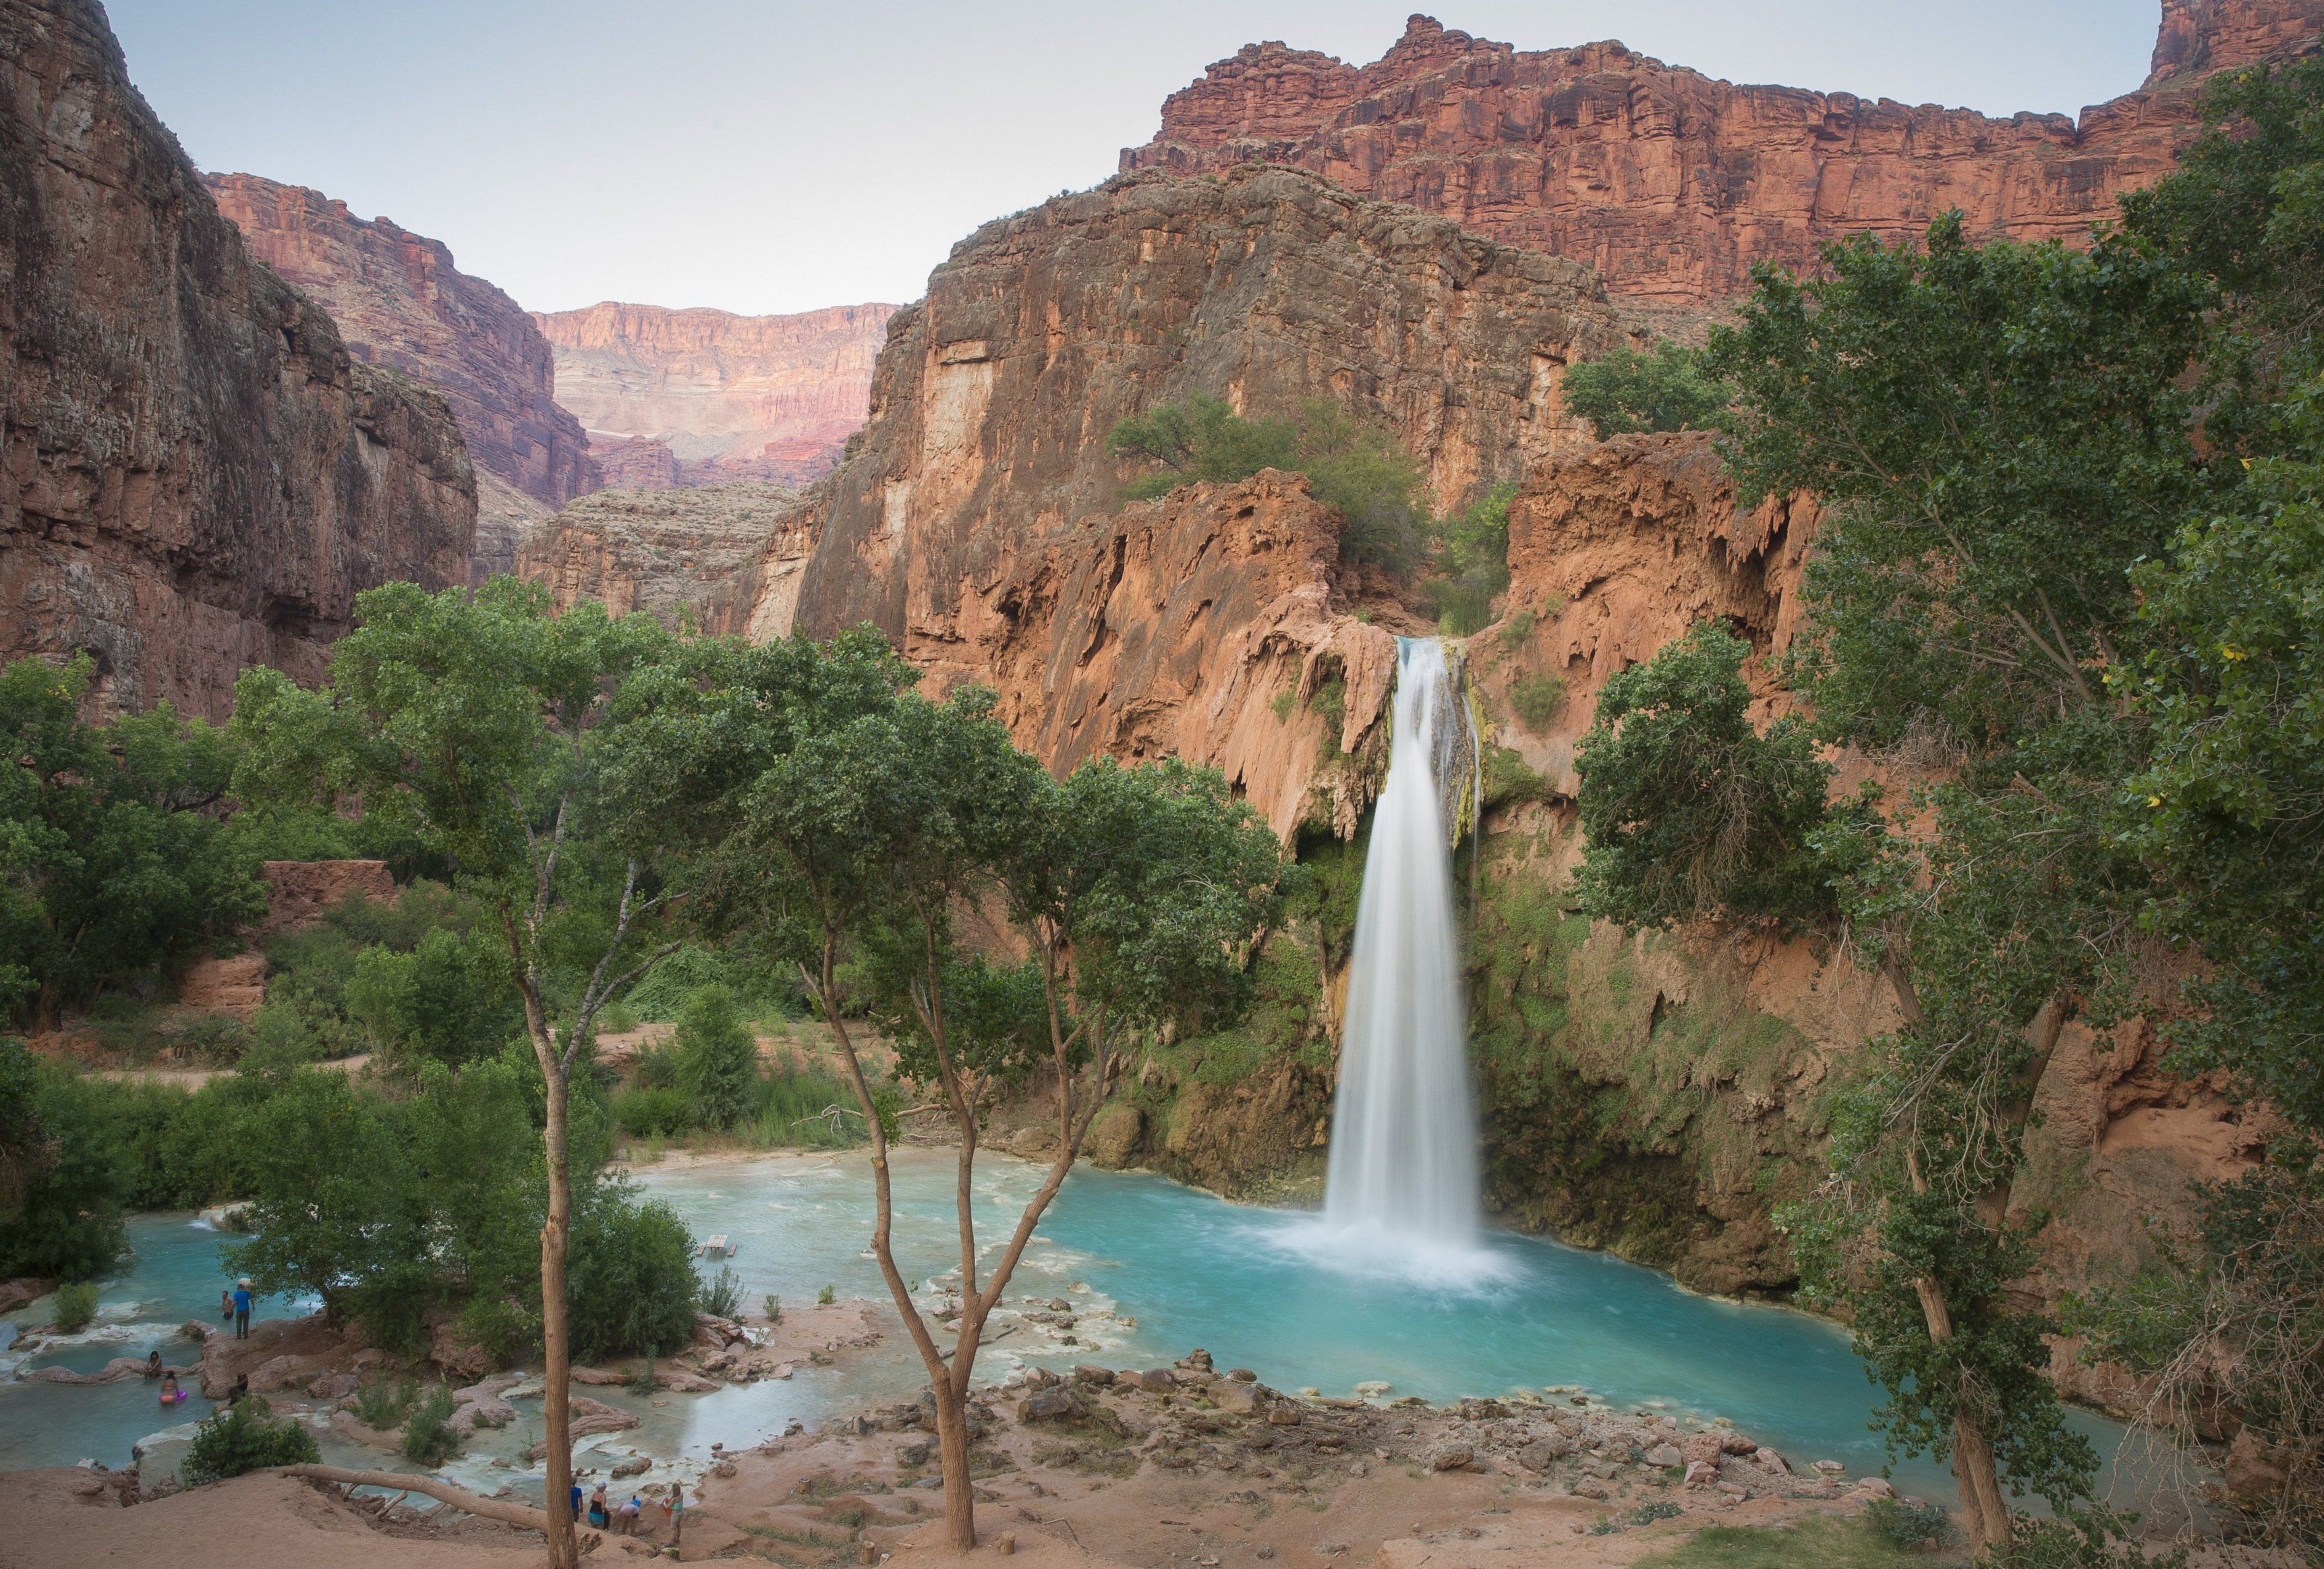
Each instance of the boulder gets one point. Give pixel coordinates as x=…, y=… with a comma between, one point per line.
x=1452, y=1455
x=1097, y=1377
x=1666, y=1455
x=1543, y=1453
x=1053, y=1403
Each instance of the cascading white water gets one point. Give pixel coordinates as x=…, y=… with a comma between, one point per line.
x=1403, y=1182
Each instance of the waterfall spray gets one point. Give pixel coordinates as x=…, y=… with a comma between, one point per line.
x=1404, y=1176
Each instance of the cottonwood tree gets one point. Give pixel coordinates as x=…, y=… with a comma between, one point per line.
x=1136, y=892
x=1996, y=432
x=480, y=727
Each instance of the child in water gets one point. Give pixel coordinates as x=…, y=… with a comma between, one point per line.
x=170, y=1393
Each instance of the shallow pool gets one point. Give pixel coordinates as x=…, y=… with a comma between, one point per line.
x=1149, y=1271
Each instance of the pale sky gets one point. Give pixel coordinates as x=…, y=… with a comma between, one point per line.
x=770, y=155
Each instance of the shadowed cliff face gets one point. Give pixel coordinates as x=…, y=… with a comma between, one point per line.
x=721, y=555
x=1673, y=183
x=197, y=475
x=705, y=397
x=993, y=398
x=398, y=300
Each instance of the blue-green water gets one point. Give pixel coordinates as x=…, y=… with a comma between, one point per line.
x=1150, y=1268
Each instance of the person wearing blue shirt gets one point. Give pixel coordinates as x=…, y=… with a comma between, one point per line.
x=242, y=1308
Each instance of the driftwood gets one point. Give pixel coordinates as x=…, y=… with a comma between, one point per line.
x=514, y=1514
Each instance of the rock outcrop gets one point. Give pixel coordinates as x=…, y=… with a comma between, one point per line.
x=728, y=557
x=768, y=398
x=1673, y=183
x=994, y=395
x=197, y=476
x=399, y=301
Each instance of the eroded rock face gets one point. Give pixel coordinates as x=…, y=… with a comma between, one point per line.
x=197, y=476
x=725, y=397
x=399, y=301
x=994, y=396
x=729, y=556
x=1673, y=183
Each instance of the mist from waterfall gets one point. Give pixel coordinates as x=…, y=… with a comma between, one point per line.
x=1402, y=1192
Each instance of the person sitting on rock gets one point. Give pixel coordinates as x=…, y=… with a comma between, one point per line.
x=153, y=1367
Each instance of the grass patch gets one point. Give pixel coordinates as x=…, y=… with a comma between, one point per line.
x=1820, y=1543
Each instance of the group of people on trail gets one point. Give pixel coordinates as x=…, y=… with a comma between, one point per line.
x=600, y=1515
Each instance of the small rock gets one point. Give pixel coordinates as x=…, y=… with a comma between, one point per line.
x=1874, y=1487
x=1830, y=1467
x=1372, y=1387
x=1242, y=1375
x=1265, y=1550
x=1543, y=1453
x=1590, y=1487
x=1053, y=1404
x=1099, y=1377
x=1331, y=1549
x=1156, y=1380
x=1665, y=1455
x=1699, y=1473
x=1450, y=1456
x=1284, y=1417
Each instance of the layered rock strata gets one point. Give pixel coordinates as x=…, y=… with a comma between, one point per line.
x=723, y=397
x=1673, y=183
x=399, y=301
x=994, y=396
x=726, y=557
x=197, y=475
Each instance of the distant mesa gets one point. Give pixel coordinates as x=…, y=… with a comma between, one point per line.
x=674, y=398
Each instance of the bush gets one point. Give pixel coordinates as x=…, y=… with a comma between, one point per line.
x=76, y=1307
x=653, y=1113
x=429, y=1439
x=827, y=1296
x=721, y=1295
x=1628, y=390
x=242, y=1437
x=774, y=1307
x=1471, y=557
x=1538, y=699
x=717, y=1057
x=1911, y=1523
x=794, y=1110
x=632, y=1284
x=65, y=1162
x=382, y=1405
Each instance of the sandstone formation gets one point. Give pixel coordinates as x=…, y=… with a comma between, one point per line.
x=727, y=556
x=197, y=476
x=1673, y=183
x=994, y=395
x=771, y=398
x=399, y=301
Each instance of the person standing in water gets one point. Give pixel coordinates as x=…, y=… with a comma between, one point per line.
x=242, y=1308
x=226, y=1307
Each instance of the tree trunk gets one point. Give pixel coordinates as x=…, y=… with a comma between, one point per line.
x=513, y=1514
x=556, y=1405
x=952, y=1460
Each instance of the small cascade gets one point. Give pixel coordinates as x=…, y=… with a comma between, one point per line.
x=1402, y=1183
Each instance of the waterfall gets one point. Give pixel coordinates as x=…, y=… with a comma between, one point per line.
x=1403, y=1181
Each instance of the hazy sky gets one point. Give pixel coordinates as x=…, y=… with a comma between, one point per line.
x=776, y=156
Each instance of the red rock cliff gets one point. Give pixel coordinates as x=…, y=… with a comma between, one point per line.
x=197, y=476
x=771, y=398
x=994, y=395
x=399, y=301
x=1673, y=183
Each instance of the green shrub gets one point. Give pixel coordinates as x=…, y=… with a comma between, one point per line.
x=1470, y=554
x=429, y=1439
x=827, y=1296
x=1538, y=699
x=1911, y=1523
x=774, y=1307
x=243, y=1437
x=653, y=1113
x=633, y=1282
x=383, y=1405
x=1628, y=390
x=717, y=1057
x=67, y=1165
x=76, y=1307
x=805, y=1108
x=721, y=1295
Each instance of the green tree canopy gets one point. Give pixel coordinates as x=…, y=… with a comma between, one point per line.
x=1628, y=391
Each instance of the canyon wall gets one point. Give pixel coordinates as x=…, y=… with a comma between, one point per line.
x=726, y=556
x=703, y=397
x=399, y=301
x=1672, y=183
x=197, y=475
x=993, y=399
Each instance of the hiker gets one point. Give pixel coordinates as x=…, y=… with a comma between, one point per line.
x=677, y=1508
x=242, y=1308
x=597, y=1512
x=626, y=1517
x=153, y=1367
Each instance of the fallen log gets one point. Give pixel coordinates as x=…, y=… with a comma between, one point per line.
x=514, y=1514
